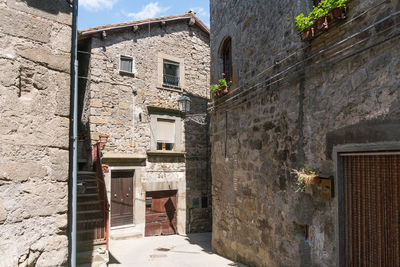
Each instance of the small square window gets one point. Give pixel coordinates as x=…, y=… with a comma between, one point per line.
x=195, y=203
x=126, y=64
x=171, y=74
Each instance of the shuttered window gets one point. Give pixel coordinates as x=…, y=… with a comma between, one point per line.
x=371, y=205
x=126, y=64
x=165, y=134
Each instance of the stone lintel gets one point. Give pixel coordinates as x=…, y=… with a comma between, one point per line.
x=166, y=153
x=115, y=157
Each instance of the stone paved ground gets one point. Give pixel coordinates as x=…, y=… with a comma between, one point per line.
x=193, y=250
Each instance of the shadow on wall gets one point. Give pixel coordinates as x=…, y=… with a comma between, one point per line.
x=54, y=6
x=198, y=174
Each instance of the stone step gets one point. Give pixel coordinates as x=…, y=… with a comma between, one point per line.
x=90, y=220
x=87, y=173
x=124, y=235
x=94, y=256
x=91, y=202
x=89, y=245
x=88, y=195
x=88, y=211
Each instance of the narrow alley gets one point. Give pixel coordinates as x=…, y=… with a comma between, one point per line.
x=193, y=250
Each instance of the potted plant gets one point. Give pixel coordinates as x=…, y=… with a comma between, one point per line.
x=214, y=89
x=223, y=85
x=306, y=176
x=222, y=88
x=305, y=25
x=338, y=9
x=320, y=15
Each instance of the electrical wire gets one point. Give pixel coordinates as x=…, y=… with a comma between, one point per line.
x=305, y=48
x=308, y=72
x=308, y=58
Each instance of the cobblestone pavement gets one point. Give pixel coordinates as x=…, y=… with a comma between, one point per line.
x=193, y=250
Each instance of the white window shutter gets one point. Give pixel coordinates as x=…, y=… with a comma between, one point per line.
x=165, y=131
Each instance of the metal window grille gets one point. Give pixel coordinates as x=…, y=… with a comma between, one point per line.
x=171, y=74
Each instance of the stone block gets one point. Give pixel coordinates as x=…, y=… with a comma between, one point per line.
x=47, y=58
x=55, y=10
x=27, y=26
x=18, y=172
x=9, y=70
x=97, y=120
x=96, y=103
x=3, y=213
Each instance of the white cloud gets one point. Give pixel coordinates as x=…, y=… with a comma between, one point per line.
x=151, y=10
x=97, y=4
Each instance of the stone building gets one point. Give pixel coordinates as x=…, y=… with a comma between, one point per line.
x=156, y=158
x=331, y=104
x=35, y=40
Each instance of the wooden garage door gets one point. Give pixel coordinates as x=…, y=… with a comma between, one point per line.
x=160, y=213
x=371, y=205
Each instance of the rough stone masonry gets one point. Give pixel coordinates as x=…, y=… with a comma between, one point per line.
x=271, y=123
x=34, y=98
x=124, y=106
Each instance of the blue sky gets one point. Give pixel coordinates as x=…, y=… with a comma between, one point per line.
x=99, y=12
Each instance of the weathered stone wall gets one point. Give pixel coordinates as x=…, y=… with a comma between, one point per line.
x=115, y=109
x=35, y=38
x=290, y=112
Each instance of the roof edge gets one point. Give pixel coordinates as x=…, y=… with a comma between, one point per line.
x=116, y=26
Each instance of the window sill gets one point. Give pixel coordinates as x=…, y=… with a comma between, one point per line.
x=127, y=73
x=166, y=153
x=170, y=88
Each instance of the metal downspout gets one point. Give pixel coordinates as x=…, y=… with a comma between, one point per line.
x=74, y=140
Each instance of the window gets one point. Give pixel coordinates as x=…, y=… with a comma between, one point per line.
x=126, y=64
x=166, y=129
x=171, y=74
x=165, y=133
x=204, y=202
x=195, y=203
x=226, y=53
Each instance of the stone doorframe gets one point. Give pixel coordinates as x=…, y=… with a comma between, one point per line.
x=139, y=201
x=136, y=201
x=338, y=184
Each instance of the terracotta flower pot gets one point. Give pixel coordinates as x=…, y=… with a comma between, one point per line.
x=103, y=138
x=315, y=180
x=338, y=13
x=308, y=33
x=322, y=23
x=224, y=90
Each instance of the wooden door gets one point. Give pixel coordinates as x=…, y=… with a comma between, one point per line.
x=121, y=198
x=160, y=213
x=371, y=205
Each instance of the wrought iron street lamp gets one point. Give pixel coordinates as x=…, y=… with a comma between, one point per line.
x=184, y=103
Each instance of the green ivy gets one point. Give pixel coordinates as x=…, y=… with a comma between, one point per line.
x=303, y=22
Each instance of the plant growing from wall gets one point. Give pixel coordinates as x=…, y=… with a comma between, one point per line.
x=305, y=176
